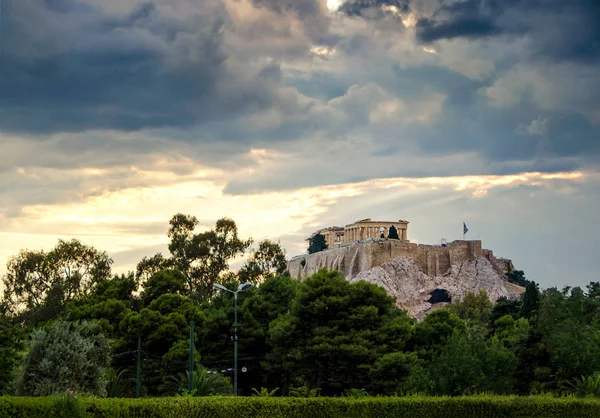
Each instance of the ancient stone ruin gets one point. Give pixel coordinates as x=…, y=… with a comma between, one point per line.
x=413, y=273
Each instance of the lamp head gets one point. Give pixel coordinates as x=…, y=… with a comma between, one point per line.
x=221, y=287
x=244, y=286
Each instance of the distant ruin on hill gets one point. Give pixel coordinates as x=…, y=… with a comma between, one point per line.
x=411, y=272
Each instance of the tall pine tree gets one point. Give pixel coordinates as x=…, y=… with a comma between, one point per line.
x=317, y=243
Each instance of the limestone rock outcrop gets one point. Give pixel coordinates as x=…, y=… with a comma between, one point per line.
x=402, y=278
x=410, y=271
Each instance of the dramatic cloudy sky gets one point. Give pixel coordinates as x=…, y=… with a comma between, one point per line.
x=289, y=115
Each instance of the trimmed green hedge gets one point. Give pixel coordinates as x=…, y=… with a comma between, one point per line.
x=242, y=407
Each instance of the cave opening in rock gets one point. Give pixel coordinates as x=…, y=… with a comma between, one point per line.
x=439, y=295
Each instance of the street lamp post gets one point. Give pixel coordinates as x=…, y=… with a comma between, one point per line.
x=240, y=288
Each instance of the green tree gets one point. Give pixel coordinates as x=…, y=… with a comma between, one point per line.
x=593, y=291
x=164, y=326
x=533, y=363
x=203, y=384
x=391, y=372
x=469, y=364
x=393, y=233
x=503, y=307
x=11, y=345
x=202, y=257
x=108, y=304
x=317, y=243
x=258, y=307
x=511, y=332
x=531, y=301
x=66, y=355
x=430, y=335
x=517, y=277
x=333, y=334
x=163, y=282
x=151, y=265
x=40, y=283
x=268, y=259
x=570, y=326
x=472, y=307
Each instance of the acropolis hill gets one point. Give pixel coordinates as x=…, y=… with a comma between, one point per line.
x=408, y=271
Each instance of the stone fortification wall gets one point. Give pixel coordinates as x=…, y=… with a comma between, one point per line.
x=351, y=259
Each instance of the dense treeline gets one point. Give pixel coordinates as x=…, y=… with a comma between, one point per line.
x=67, y=322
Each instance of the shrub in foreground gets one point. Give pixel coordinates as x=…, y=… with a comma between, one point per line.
x=263, y=407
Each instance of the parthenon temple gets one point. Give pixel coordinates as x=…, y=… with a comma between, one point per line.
x=360, y=230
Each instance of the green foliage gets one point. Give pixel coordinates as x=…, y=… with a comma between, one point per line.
x=203, y=257
x=149, y=266
x=511, y=332
x=504, y=306
x=320, y=336
x=66, y=355
x=276, y=407
x=517, y=277
x=303, y=392
x=38, y=284
x=585, y=386
x=164, y=322
x=429, y=336
x=470, y=364
x=11, y=346
x=108, y=304
x=269, y=259
x=391, y=372
x=472, y=307
x=68, y=405
x=203, y=384
x=163, y=282
x=357, y=393
x=531, y=300
x=317, y=243
x=333, y=333
x=258, y=307
x=264, y=392
x=570, y=324
x=393, y=233
x=118, y=385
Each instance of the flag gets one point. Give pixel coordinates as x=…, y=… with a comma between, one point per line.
x=465, y=229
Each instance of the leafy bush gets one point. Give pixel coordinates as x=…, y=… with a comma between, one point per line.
x=65, y=355
x=273, y=407
x=204, y=384
x=264, y=392
x=68, y=405
x=117, y=384
x=586, y=386
x=303, y=392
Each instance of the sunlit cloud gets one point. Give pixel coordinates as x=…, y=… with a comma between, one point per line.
x=133, y=218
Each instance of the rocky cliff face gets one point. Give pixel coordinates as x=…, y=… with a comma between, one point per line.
x=412, y=288
x=411, y=272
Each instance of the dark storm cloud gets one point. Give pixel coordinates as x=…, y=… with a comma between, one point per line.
x=68, y=67
x=559, y=30
x=371, y=7
x=301, y=7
